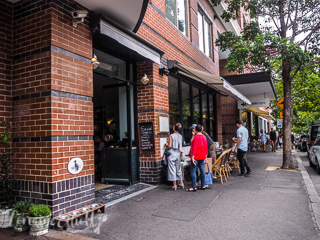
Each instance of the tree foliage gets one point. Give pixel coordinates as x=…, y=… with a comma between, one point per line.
x=285, y=44
x=305, y=99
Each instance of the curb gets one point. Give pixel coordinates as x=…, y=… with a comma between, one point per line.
x=312, y=193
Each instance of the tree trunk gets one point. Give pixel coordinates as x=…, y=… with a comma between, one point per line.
x=287, y=155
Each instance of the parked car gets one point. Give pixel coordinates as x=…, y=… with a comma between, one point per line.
x=313, y=133
x=314, y=154
x=296, y=142
x=302, y=145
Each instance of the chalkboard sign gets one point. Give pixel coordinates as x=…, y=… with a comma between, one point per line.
x=146, y=137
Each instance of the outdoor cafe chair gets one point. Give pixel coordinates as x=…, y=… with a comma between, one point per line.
x=220, y=165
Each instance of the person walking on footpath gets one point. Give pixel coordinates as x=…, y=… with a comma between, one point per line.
x=273, y=138
x=174, y=167
x=198, y=154
x=263, y=139
x=242, y=147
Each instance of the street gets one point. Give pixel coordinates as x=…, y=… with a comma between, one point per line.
x=314, y=176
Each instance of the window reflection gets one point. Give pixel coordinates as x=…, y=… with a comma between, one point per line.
x=176, y=12
x=196, y=104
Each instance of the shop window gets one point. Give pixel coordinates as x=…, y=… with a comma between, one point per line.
x=176, y=12
x=188, y=105
x=211, y=115
x=196, y=105
x=186, y=111
x=205, y=117
x=204, y=31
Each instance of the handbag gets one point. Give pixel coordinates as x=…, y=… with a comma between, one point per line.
x=208, y=177
x=164, y=160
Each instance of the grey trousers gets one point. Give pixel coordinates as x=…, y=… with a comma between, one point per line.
x=174, y=166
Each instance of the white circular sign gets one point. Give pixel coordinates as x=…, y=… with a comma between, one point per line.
x=75, y=165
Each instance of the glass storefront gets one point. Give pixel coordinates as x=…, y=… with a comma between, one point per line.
x=114, y=120
x=192, y=104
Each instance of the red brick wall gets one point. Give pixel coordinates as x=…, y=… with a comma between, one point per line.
x=52, y=104
x=6, y=60
x=152, y=99
x=168, y=35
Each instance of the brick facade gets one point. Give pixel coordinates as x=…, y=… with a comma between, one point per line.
x=51, y=98
x=6, y=60
x=46, y=85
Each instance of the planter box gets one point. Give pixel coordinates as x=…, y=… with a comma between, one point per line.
x=39, y=225
x=6, y=218
x=20, y=223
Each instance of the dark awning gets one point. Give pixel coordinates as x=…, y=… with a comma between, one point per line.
x=254, y=85
x=116, y=39
x=215, y=82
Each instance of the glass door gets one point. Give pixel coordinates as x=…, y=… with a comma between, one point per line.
x=114, y=120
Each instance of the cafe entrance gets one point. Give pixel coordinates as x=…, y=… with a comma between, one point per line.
x=115, y=118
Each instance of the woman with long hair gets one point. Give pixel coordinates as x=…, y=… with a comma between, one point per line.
x=198, y=154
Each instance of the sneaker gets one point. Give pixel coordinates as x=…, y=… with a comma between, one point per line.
x=240, y=175
x=247, y=174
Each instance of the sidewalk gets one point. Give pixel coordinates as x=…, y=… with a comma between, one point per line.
x=265, y=205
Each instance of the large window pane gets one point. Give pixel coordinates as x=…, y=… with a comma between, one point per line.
x=185, y=99
x=173, y=95
x=200, y=31
x=204, y=110
x=211, y=113
x=196, y=103
x=207, y=38
x=171, y=10
x=181, y=15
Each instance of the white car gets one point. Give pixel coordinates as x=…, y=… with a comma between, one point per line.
x=314, y=155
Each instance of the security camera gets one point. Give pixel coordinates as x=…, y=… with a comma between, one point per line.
x=78, y=14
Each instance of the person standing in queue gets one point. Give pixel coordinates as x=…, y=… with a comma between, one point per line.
x=198, y=154
x=242, y=147
x=210, y=144
x=174, y=167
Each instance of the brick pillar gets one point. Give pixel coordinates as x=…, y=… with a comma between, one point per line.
x=229, y=109
x=52, y=105
x=153, y=99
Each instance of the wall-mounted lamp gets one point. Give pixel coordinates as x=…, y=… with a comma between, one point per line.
x=78, y=16
x=144, y=79
x=215, y=16
x=94, y=62
x=164, y=71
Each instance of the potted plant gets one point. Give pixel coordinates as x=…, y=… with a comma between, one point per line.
x=5, y=217
x=20, y=213
x=38, y=219
x=7, y=180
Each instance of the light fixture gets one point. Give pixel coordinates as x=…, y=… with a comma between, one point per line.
x=78, y=16
x=164, y=71
x=94, y=62
x=144, y=79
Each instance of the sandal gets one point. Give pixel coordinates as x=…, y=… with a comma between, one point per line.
x=191, y=190
x=181, y=186
x=174, y=188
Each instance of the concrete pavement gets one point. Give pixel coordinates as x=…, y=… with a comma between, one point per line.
x=266, y=205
